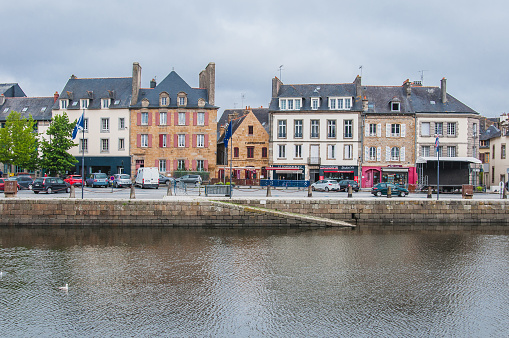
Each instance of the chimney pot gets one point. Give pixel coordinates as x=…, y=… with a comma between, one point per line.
x=443, y=92
x=55, y=97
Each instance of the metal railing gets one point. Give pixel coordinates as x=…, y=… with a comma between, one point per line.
x=285, y=183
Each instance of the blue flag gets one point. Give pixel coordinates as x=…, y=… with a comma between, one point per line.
x=437, y=142
x=227, y=134
x=80, y=125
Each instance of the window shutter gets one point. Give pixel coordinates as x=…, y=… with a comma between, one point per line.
x=160, y=140
x=175, y=141
x=157, y=118
x=195, y=118
x=187, y=118
x=175, y=164
x=206, y=145
x=138, y=119
x=387, y=130
x=157, y=164
x=402, y=154
x=379, y=130
x=194, y=140
x=387, y=154
x=366, y=153
x=187, y=164
x=206, y=118
x=403, y=130
x=194, y=165
x=366, y=130
x=206, y=165
x=187, y=140
x=150, y=140
x=379, y=154
x=176, y=118
x=168, y=118
x=138, y=140
x=150, y=118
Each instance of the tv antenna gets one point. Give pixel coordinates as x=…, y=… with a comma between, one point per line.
x=280, y=69
x=422, y=75
x=360, y=67
x=242, y=97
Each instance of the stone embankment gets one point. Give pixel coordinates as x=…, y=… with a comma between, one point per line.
x=245, y=212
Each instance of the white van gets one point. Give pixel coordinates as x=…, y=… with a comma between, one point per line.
x=147, y=178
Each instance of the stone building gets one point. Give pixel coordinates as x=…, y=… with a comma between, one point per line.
x=173, y=126
x=249, y=144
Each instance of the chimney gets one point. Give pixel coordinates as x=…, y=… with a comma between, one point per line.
x=73, y=76
x=2, y=99
x=276, y=85
x=153, y=83
x=443, y=88
x=55, y=97
x=365, y=103
x=136, y=82
x=408, y=87
x=207, y=79
x=358, y=88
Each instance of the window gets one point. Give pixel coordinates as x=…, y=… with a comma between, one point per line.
x=236, y=152
x=493, y=151
x=395, y=106
x=163, y=119
x=144, y=119
x=348, y=155
x=502, y=151
x=315, y=128
x=340, y=103
x=451, y=129
x=105, y=125
x=298, y=150
x=332, y=103
x=200, y=165
x=348, y=129
x=425, y=129
x=200, y=140
x=200, y=119
x=6, y=110
x=105, y=103
x=164, y=102
x=105, y=145
x=425, y=151
x=63, y=104
x=348, y=103
x=264, y=152
x=298, y=128
x=83, y=145
x=250, y=152
x=182, y=101
x=331, y=151
x=121, y=144
x=163, y=140
x=162, y=165
x=440, y=151
x=182, y=119
x=250, y=130
x=282, y=104
x=84, y=103
x=331, y=128
x=85, y=124
x=282, y=151
x=372, y=154
x=315, y=104
x=290, y=104
x=121, y=123
x=144, y=140
x=439, y=128
x=394, y=154
x=372, y=129
x=24, y=109
x=281, y=133
x=181, y=141
x=451, y=151
x=395, y=130
x=181, y=164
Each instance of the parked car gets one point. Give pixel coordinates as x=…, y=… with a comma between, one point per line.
x=97, y=180
x=166, y=180
x=121, y=180
x=75, y=180
x=189, y=179
x=50, y=185
x=381, y=189
x=2, y=183
x=343, y=185
x=325, y=185
x=24, y=181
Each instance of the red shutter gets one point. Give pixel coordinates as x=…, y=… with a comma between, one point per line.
x=187, y=164
x=194, y=140
x=187, y=140
x=194, y=165
x=206, y=118
x=175, y=164
x=150, y=140
x=175, y=141
x=206, y=145
x=168, y=165
x=176, y=118
x=138, y=140
x=160, y=140
x=157, y=164
x=206, y=165
x=187, y=118
x=138, y=119
x=150, y=118
x=157, y=118
x=195, y=118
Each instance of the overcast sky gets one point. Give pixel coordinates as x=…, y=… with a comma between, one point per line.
x=44, y=42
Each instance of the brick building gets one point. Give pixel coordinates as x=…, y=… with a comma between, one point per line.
x=174, y=126
x=250, y=144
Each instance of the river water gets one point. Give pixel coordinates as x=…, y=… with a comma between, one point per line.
x=238, y=283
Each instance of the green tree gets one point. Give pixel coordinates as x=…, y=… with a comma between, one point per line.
x=55, y=156
x=19, y=142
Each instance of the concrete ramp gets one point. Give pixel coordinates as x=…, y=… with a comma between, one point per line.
x=319, y=221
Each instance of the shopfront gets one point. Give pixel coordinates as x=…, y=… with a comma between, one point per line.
x=287, y=172
x=396, y=175
x=340, y=172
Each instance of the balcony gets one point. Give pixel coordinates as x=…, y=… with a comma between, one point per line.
x=314, y=160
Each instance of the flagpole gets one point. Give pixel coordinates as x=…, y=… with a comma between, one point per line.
x=438, y=167
x=83, y=157
x=231, y=159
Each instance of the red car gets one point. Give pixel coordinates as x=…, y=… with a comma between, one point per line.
x=74, y=180
x=2, y=183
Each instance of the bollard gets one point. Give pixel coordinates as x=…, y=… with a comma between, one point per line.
x=199, y=190
x=133, y=194
x=310, y=191
x=168, y=191
x=269, y=194
x=389, y=192
x=72, y=193
x=504, y=194
x=429, y=192
x=349, y=191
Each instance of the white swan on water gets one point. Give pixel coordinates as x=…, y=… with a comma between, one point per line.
x=64, y=288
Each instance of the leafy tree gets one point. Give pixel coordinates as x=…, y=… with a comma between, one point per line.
x=55, y=156
x=19, y=142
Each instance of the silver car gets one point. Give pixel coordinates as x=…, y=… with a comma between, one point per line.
x=326, y=185
x=121, y=180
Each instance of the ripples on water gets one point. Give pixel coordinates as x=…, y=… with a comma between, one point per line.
x=198, y=282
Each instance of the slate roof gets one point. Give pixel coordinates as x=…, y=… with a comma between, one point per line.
x=173, y=84
x=100, y=88
x=262, y=114
x=38, y=107
x=11, y=90
x=490, y=133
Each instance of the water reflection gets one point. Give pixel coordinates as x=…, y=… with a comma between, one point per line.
x=253, y=282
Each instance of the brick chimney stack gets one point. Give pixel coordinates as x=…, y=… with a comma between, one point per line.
x=443, y=88
x=408, y=87
x=55, y=97
x=276, y=85
x=365, y=103
x=136, y=83
x=153, y=83
x=2, y=99
x=207, y=79
x=358, y=88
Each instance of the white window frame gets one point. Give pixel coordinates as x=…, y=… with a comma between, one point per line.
x=348, y=152
x=395, y=154
x=83, y=143
x=105, y=125
x=181, y=164
x=372, y=129
x=181, y=118
x=395, y=106
x=423, y=129
x=439, y=128
x=84, y=103
x=164, y=101
x=290, y=103
x=121, y=123
x=163, y=118
x=105, y=145
x=165, y=140
x=85, y=124
x=315, y=103
x=425, y=151
x=298, y=151
x=144, y=118
x=348, y=103
x=331, y=129
x=144, y=141
x=281, y=128
x=182, y=101
x=200, y=140
x=395, y=130
x=372, y=153
x=315, y=128
x=121, y=144
x=105, y=103
x=181, y=140
x=200, y=165
x=332, y=103
x=282, y=151
x=200, y=117
x=298, y=127
x=64, y=103
x=331, y=151
x=451, y=129
x=162, y=166
x=348, y=129
x=451, y=151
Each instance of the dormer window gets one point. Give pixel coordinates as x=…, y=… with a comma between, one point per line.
x=84, y=103
x=164, y=99
x=105, y=103
x=182, y=99
x=315, y=103
x=395, y=104
x=290, y=104
x=338, y=103
x=63, y=104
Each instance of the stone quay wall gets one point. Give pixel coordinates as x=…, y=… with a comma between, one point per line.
x=203, y=212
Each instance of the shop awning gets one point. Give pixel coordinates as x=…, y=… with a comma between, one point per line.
x=284, y=170
x=338, y=171
x=396, y=170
